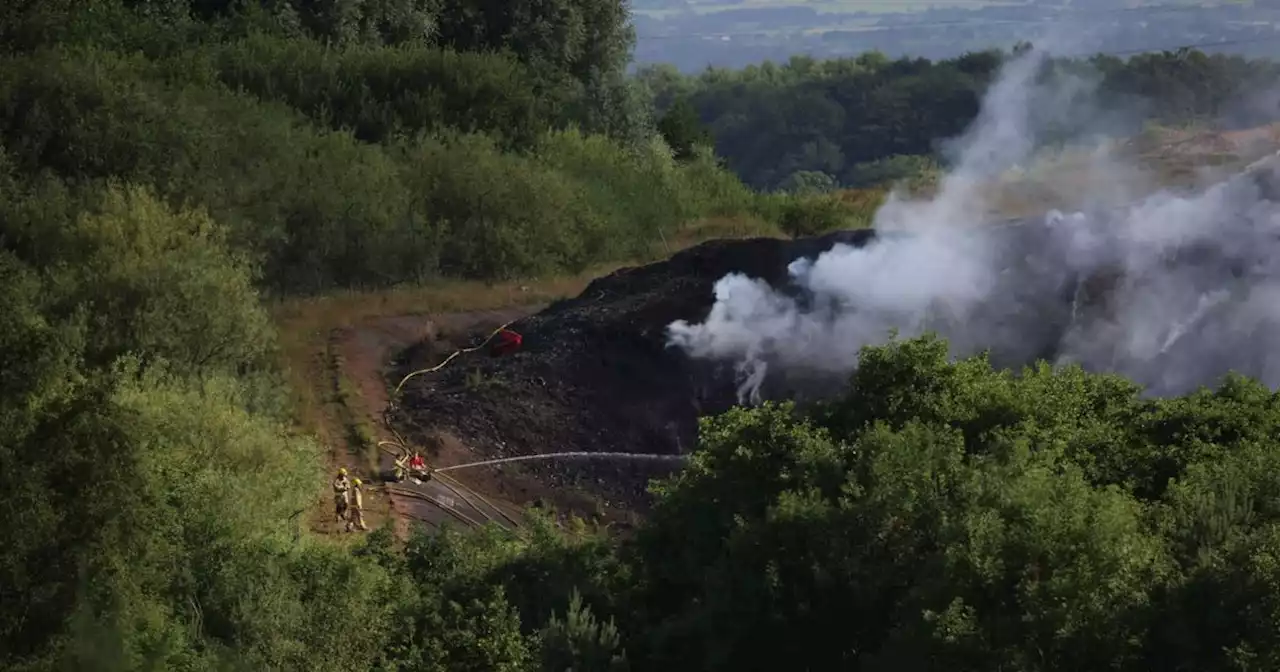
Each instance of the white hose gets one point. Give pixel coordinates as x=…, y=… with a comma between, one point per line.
x=582, y=454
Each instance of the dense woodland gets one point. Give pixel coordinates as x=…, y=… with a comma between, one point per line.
x=168, y=165
x=859, y=121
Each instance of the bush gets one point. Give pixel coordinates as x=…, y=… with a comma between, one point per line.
x=947, y=513
x=580, y=643
x=914, y=171
x=319, y=208
x=501, y=215
x=164, y=286
x=808, y=182
x=812, y=215
x=381, y=93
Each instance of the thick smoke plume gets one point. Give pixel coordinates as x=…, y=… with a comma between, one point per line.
x=1171, y=289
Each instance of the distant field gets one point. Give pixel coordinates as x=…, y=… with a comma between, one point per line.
x=658, y=10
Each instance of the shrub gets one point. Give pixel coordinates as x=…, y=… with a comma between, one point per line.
x=812, y=215
x=381, y=93
x=502, y=215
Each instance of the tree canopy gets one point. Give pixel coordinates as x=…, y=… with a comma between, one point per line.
x=867, y=120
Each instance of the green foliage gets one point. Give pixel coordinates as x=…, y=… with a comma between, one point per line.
x=682, y=129
x=43, y=389
x=164, y=285
x=587, y=40
x=811, y=216
x=273, y=138
x=943, y=513
x=580, y=643
x=869, y=119
x=159, y=509
x=889, y=171
x=642, y=189
x=808, y=212
x=808, y=182
x=454, y=619
x=217, y=490
x=381, y=22
x=385, y=93
x=502, y=216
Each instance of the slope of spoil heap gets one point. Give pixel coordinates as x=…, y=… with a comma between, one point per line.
x=594, y=372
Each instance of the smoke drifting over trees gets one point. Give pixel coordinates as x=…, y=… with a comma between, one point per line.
x=1172, y=289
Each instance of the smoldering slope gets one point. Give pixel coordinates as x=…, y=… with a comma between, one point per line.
x=1172, y=290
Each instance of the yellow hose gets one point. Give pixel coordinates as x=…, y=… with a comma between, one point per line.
x=448, y=359
x=453, y=484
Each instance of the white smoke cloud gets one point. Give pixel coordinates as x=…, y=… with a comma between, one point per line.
x=1171, y=289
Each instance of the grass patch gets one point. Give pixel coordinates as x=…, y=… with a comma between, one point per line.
x=713, y=228
x=305, y=327
x=362, y=439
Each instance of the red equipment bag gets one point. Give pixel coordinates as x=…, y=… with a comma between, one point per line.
x=506, y=343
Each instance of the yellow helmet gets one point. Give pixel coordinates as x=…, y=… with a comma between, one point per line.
x=355, y=481
x=342, y=471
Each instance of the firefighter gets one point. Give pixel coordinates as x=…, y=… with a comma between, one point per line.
x=356, y=516
x=340, y=488
x=401, y=467
x=417, y=465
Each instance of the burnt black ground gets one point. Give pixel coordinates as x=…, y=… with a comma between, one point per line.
x=595, y=373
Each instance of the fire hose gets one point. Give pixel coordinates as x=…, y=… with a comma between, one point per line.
x=457, y=487
x=448, y=359
x=646, y=457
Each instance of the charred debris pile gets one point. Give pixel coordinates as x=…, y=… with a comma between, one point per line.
x=595, y=373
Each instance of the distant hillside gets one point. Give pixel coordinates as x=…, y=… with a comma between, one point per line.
x=857, y=122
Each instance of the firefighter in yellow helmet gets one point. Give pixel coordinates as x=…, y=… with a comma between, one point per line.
x=340, y=488
x=356, y=516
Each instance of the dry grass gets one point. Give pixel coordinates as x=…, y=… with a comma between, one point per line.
x=713, y=228
x=305, y=325
x=863, y=199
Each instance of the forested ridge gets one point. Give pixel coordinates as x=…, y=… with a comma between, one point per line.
x=168, y=165
x=856, y=122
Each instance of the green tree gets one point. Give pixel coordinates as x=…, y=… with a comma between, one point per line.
x=808, y=182
x=164, y=285
x=682, y=129
x=580, y=643
x=948, y=513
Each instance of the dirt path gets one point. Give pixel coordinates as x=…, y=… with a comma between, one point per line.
x=354, y=375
